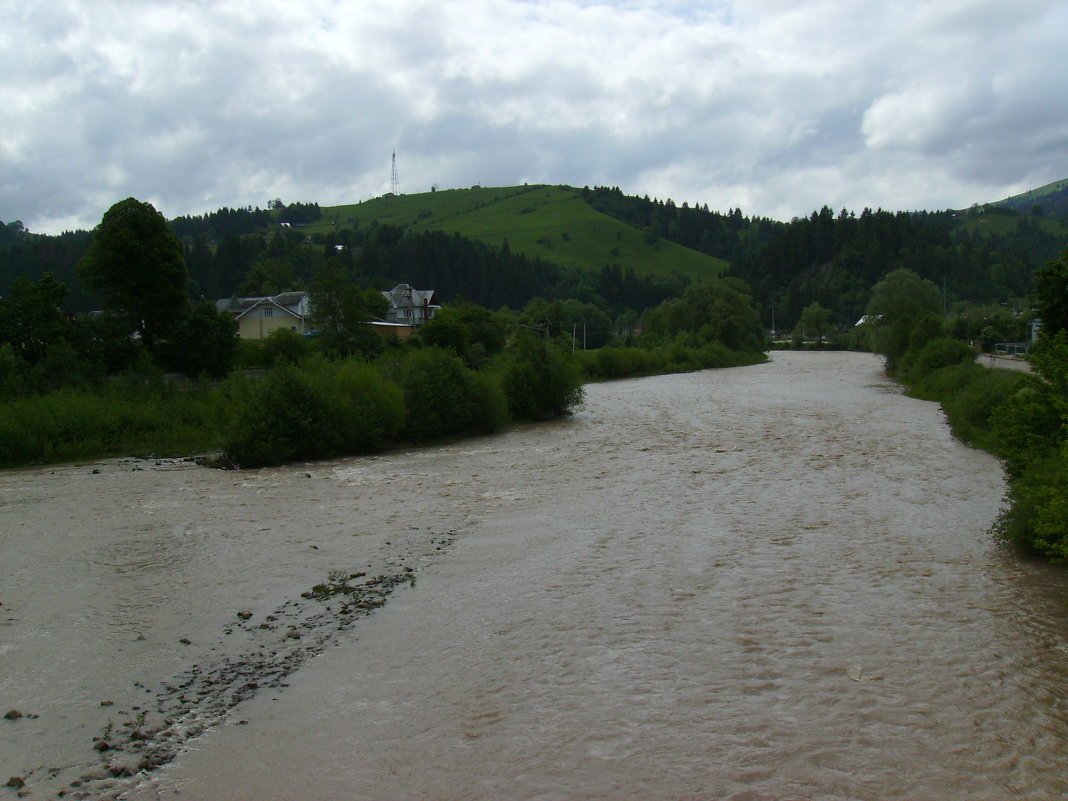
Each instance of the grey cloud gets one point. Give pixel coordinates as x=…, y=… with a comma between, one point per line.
x=774, y=106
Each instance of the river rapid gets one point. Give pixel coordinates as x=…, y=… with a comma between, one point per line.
x=771, y=582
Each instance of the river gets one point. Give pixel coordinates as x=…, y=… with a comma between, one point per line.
x=771, y=582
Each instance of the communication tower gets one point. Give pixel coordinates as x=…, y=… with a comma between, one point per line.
x=394, y=187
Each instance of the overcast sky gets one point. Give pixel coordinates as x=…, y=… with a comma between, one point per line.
x=774, y=106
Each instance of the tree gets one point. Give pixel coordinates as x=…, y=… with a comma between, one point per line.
x=31, y=318
x=340, y=311
x=570, y=317
x=472, y=332
x=717, y=311
x=204, y=341
x=816, y=321
x=1051, y=294
x=539, y=380
x=898, y=303
x=137, y=265
x=337, y=305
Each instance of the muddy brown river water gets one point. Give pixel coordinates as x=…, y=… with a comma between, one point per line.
x=772, y=582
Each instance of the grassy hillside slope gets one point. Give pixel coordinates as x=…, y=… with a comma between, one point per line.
x=551, y=222
x=1052, y=197
x=1004, y=225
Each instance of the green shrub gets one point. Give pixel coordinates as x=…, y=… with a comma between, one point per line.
x=1036, y=520
x=939, y=353
x=683, y=355
x=321, y=410
x=539, y=380
x=444, y=398
x=969, y=393
x=284, y=346
x=1028, y=425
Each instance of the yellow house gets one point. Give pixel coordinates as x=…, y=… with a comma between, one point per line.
x=258, y=317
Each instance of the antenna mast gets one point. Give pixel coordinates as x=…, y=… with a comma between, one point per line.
x=394, y=188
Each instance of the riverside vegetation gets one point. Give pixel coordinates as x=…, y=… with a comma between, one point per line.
x=82, y=387
x=1021, y=418
x=78, y=386
x=320, y=406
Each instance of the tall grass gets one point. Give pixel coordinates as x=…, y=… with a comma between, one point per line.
x=122, y=417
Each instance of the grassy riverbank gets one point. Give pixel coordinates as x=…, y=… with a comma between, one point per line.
x=324, y=408
x=1018, y=417
x=317, y=409
x=120, y=417
x=609, y=363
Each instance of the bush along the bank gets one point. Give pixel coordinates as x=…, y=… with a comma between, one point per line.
x=969, y=394
x=312, y=406
x=321, y=409
x=678, y=357
x=1030, y=428
x=444, y=398
x=539, y=380
x=1017, y=416
x=325, y=408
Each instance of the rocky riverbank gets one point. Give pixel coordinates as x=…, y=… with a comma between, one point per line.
x=145, y=737
x=222, y=660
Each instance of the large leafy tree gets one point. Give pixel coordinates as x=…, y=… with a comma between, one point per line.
x=31, y=317
x=137, y=266
x=340, y=310
x=1051, y=294
x=472, y=332
x=717, y=311
x=901, y=303
x=202, y=342
x=815, y=321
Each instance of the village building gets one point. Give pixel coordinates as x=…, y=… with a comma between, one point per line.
x=409, y=306
x=258, y=317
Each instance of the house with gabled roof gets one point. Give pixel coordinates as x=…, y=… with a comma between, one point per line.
x=258, y=317
x=409, y=306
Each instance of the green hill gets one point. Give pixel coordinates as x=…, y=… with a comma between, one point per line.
x=1004, y=221
x=553, y=223
x=1053, y=198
